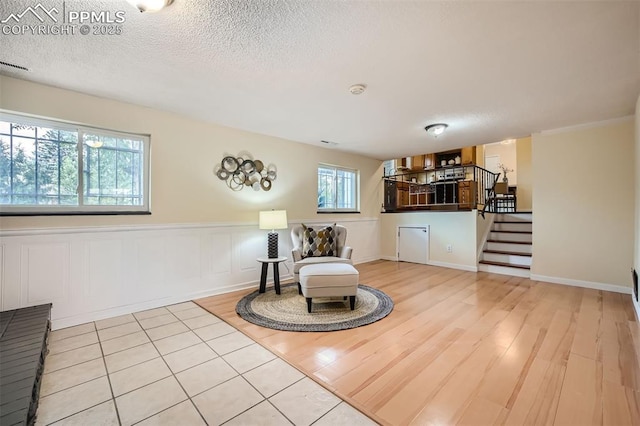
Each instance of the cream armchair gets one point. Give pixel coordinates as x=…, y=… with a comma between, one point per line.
x=343, y=251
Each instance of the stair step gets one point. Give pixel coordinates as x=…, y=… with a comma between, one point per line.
x=513, y=232
x=508, y=242
x=518, y=247
x=513, y=221
x=508, y=265
x=520, y=217
x=525, y=237
x=516, y=259
x=512, y=226
x=511, y=253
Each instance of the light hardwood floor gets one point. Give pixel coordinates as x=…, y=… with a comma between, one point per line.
x=473, y=348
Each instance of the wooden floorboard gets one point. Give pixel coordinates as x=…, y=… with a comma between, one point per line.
x=473, y=348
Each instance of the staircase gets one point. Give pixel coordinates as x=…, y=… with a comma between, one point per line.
x=508, y=247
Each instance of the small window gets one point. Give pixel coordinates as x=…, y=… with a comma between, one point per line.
x=51, y=167
x=389, y=167
x=337, y=189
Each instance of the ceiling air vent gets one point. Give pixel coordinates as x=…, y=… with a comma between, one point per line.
x=18, y=67
x=329, y=143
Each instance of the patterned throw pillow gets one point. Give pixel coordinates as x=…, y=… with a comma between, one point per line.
x=319, y=241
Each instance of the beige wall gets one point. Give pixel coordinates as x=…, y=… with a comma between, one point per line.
x=480, y=155
x=637, y=188
x=455, y=228
x=584, y=203
x=524, y=175
x=183, y=154
x=507, y=155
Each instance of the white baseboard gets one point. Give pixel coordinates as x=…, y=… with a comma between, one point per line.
x=391, y=258
x=438, y=263
x=453, y=266
x=86, y=317
x=585, y=284
x=366, y=259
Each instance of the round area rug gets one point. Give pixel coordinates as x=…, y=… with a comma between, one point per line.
x=288, y=311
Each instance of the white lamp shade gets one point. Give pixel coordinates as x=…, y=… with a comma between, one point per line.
x=273, y=219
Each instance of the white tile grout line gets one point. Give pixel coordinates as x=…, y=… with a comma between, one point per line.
x=173, y=374
x=104, y=360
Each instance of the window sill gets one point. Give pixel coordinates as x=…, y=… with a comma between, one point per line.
x=337, y=212
x=112, y=213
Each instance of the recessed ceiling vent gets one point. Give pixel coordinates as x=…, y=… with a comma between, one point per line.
x=18, y=67
x=329, y=143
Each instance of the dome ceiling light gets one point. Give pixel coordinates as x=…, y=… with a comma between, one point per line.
x=150, y=5
x=436, y=129
x=357, y=89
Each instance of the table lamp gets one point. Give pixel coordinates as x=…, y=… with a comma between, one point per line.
x=273, y=219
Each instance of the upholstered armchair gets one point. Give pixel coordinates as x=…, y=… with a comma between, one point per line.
x=342, y=255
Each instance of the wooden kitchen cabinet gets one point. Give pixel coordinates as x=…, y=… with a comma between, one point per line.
x=468, y=155
x=467, y=194
x=429, y=161
x=417, y=162
x=403, y=194
x=400, y=164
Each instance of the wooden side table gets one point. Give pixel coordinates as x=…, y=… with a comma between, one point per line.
x=276, y=274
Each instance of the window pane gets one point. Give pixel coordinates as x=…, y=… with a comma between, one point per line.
x=47, y=171
x=24, y=171
x=23, y=130
x=5, y=127
x=35, y=170
x=5, y=169
x=40, y=165
x=326, y=191
x=68, y=173
x=113, y=172
x=337, y=189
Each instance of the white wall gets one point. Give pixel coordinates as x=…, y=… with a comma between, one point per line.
x=201, y=238
x=455, y=228
x=637, y=198
x=583, y=202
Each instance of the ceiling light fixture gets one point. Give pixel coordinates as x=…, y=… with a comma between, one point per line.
x=508, y=141
x=357, y=89
x=436, y=129
x=150, y=5
x=93, y=142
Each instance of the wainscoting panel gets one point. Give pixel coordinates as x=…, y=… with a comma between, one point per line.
x=219, y=253
x=44, y=273
x=94, y=273
x=104, y=262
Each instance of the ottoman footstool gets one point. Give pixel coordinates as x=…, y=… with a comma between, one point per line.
x=329, y=280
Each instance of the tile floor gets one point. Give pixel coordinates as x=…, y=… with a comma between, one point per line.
x=177, y=365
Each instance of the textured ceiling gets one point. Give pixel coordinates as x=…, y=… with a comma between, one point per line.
x=491, y=70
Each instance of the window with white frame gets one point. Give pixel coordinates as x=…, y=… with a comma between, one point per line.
x=337, y=189
x=53, y=167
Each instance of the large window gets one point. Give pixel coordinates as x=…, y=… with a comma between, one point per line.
x=337, y=189
x=49, y=167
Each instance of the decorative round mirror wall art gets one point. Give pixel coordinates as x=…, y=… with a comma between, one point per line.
x=239, y=172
